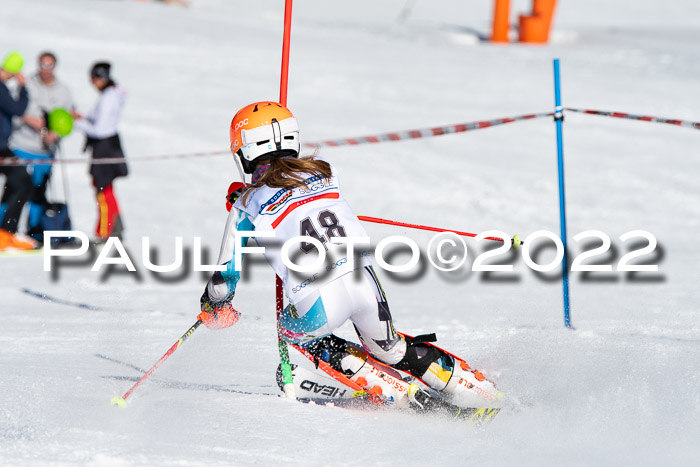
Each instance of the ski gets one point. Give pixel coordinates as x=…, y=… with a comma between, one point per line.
x=479, y=416
x=333, y=388
x=313, y=385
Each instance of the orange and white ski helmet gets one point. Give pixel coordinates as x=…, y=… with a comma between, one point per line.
x=263, y=130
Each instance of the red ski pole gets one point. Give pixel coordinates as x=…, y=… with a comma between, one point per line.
x=121, y=401
x=515, y=241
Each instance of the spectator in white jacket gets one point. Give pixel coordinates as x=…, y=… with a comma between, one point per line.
x=100, y=127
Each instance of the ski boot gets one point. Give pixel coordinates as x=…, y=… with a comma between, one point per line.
x=381, y=384
x=448, y=374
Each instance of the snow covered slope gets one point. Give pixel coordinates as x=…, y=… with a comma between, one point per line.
x=620, y=389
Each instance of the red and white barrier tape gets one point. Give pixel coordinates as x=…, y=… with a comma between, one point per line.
x=381, y=138
x=394, y=136
x=644, y=118
x=427, y=132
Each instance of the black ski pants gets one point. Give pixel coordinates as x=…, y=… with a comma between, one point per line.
x=18, y=189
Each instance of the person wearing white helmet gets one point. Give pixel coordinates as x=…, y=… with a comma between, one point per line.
x=292, y=197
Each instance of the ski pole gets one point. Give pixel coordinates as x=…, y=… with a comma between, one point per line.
x=121, y=401
x=515, y=241
x=64, y=177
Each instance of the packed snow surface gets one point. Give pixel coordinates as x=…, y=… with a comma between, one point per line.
x=622, y=388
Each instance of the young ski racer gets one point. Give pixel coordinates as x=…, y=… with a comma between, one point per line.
x=292, y=197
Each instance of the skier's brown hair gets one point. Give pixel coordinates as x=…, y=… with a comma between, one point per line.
x=289, y=173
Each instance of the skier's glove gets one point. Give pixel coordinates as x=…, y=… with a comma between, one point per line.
x=217, y=315
x=235, y=190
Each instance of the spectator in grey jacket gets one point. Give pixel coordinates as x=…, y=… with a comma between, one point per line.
x=31, y=139
x=18, y=186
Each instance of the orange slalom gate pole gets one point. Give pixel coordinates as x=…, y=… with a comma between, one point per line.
x=284, y=79
x=535, y=28
x=287, y=379
x=501, y=19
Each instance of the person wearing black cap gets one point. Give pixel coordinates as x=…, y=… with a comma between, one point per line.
x=100, y=127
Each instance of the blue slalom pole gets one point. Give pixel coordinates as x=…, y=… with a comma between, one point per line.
x=559, y=119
